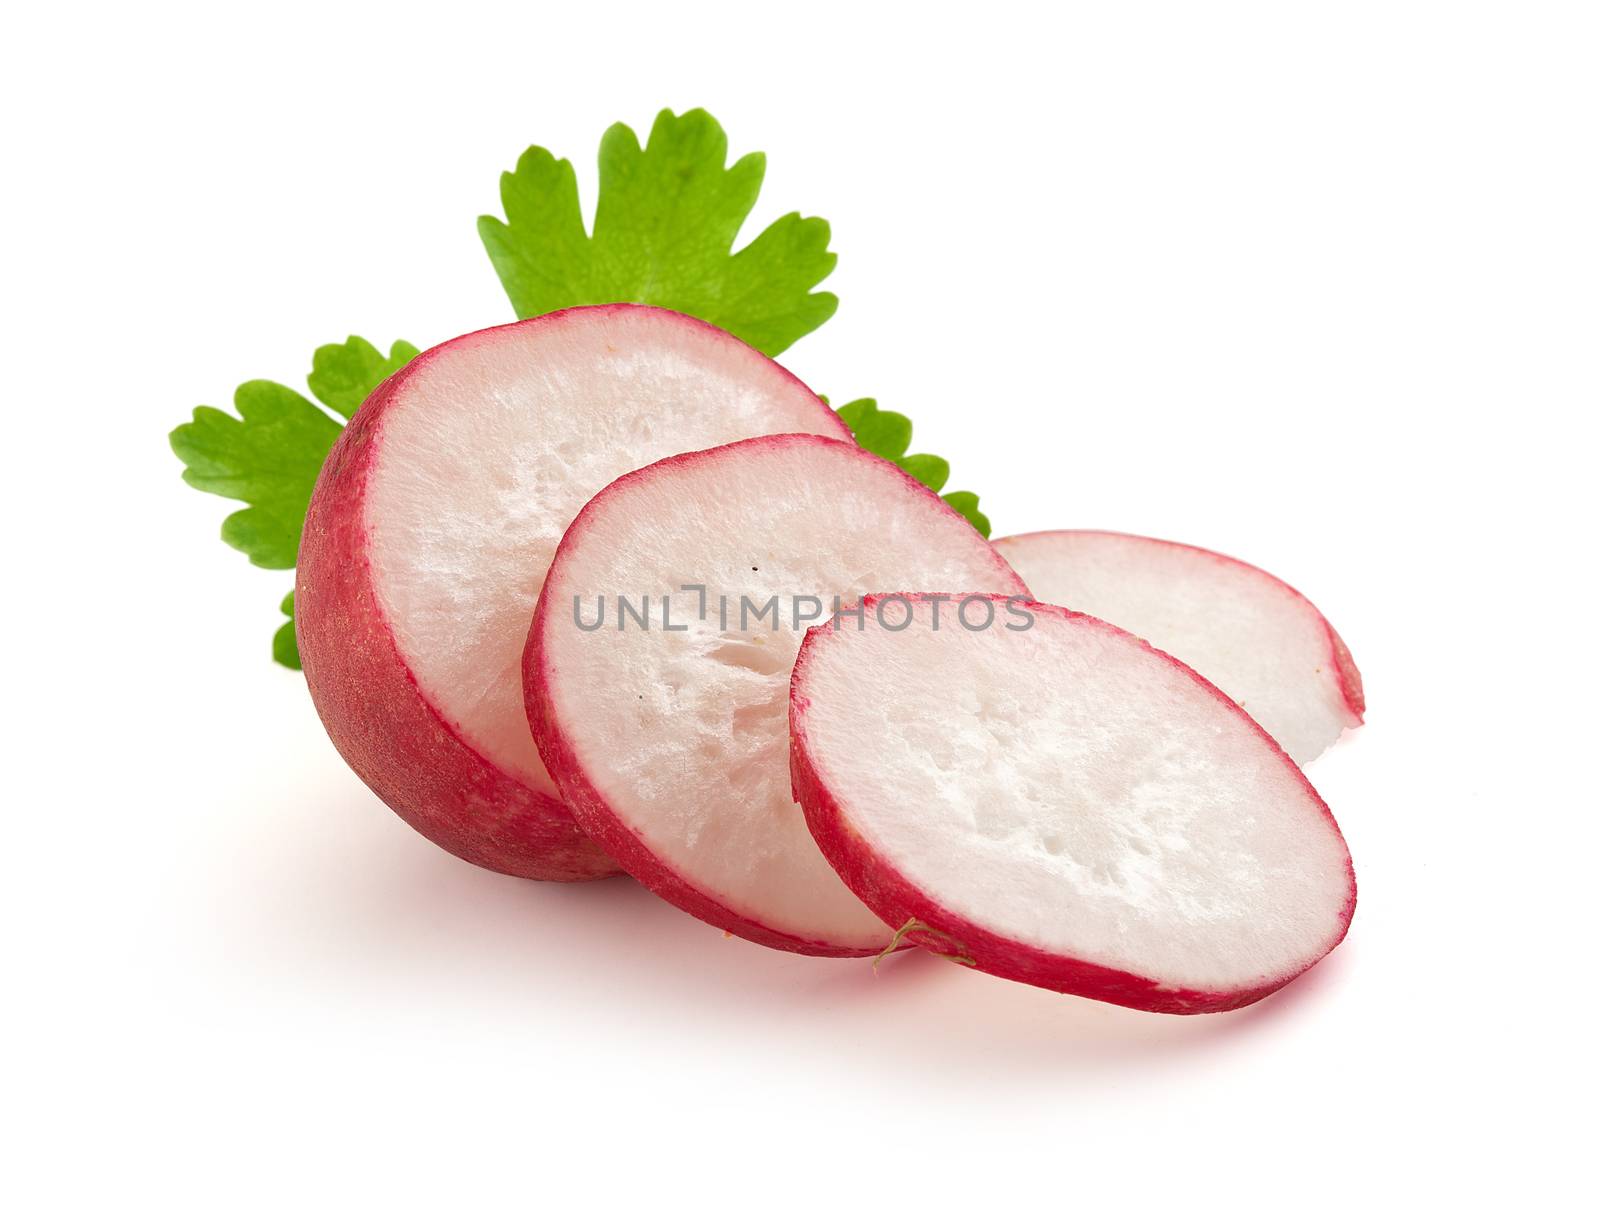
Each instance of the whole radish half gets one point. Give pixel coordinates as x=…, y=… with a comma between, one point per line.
x=1254, y=636
x=1063, y=805
x=433, y=523
x=670, y=742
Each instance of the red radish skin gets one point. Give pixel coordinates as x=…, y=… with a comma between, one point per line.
x=417, y=755
x=884, y=888
x=384, y=726
x=563, y=735
x=1259, y=639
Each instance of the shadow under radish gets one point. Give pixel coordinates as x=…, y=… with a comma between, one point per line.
x=370, y=913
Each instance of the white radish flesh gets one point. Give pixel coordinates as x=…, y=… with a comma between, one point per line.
x=1065, y=806
x=1252, y=635
x=671, y=746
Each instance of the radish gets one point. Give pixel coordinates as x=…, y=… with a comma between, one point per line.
x=432, y=525
x=1061, y=804
x=1259, y=640
x=670, y=742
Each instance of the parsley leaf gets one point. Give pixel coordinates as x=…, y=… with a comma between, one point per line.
x=284, y=647
x=269, y=453
x=267, y=457
x=966, y=504
x=665, y=222
x=887, y=434
x=344, y=373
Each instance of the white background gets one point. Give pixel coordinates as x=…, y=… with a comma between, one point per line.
x=1315, y=285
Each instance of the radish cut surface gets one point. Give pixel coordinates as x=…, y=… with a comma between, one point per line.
x=432, y=526
x=1065, y=806
x=1252, y=635
x=671, y=746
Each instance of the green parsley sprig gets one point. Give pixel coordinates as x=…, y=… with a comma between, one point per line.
x=268, y=454
x=665, y=221
x=887, y=434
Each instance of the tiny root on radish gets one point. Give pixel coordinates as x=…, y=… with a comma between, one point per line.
x=913, y=926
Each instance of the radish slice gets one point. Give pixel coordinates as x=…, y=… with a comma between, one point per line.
x=1064, y=805
x=670, y=745
x=432, y=526
x=1259, y=640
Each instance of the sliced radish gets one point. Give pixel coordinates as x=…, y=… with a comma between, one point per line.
x=1064, y=805
x=670, y=745
x=1254, y=636
x=432, y=526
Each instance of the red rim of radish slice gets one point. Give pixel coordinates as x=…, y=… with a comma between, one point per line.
x=927, y=922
